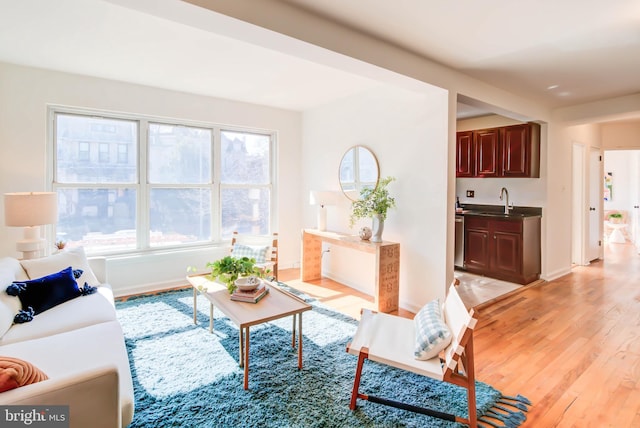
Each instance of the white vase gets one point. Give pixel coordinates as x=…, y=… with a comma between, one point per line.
x=377, y=226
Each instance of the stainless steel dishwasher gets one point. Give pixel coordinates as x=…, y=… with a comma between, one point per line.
x=458, y=259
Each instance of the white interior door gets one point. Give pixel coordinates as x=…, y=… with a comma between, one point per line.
x=594, y=241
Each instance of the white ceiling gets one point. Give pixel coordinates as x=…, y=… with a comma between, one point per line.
x=559, y=52
x=556, y=52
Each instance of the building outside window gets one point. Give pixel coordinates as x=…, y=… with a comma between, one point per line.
x=123, y=153
x=157, y=184
x=84, y=154
x=103, y=152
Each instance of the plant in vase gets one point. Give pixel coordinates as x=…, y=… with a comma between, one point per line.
x=374, y=203
x=615, y=218
x=228, y=269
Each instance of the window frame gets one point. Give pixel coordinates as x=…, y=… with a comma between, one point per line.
x=143, y=186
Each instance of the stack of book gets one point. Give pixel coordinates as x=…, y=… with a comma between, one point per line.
x=253, y=296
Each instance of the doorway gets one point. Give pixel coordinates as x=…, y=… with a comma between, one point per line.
x=622, y=196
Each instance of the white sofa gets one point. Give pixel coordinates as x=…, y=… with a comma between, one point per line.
x=78, y=344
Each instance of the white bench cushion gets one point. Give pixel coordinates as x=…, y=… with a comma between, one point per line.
x=390, y=340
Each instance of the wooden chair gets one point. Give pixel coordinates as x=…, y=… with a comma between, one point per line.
x=257, y=243
x=390, y=340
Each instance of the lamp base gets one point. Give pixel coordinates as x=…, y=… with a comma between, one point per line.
x=32, y=244
x=322, y=218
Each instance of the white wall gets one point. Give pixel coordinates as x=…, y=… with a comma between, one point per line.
x=24, y=96
x=621, y=135
x=408, y=133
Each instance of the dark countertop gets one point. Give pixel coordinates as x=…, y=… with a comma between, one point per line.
x=498, y=211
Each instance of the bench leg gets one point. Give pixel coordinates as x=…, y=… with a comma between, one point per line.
x=471, y=387
x=364, y=353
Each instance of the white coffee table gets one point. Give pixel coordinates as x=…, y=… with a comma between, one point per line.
x=277, y=304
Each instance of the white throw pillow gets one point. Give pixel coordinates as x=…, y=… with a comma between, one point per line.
x=432, y=333
x=75, y=257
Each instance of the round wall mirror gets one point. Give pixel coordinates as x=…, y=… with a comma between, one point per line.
x=358, y=170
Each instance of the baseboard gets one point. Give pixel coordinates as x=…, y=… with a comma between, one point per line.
x=149, y=288
x=557, y=274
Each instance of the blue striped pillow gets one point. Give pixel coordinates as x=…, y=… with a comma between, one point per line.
x=432, y=333
x=251, y=251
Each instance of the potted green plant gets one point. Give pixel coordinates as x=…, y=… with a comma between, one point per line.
x=615, y=217
x=228, y=269
x=374, y=203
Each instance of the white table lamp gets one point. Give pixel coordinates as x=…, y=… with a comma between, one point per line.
x=322, y=198
x=30, y=210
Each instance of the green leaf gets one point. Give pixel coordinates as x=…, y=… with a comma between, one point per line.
x=373, y=201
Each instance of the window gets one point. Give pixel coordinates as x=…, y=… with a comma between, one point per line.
x=103, y=152
x=123, y=153
x=245, y=182
x=155, y=184
x=83, y=151
x=179, y=184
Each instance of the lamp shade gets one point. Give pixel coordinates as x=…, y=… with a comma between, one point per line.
x=30, y=208
x=323, y=197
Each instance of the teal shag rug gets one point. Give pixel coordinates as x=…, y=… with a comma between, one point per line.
x=183, y=376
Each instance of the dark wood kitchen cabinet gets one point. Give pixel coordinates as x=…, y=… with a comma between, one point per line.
x=465, y=155
x=504, y=248
x=487, y=151
x=508, y=151
x=520, y=150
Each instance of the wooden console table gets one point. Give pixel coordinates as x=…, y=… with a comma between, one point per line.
x=387, y=263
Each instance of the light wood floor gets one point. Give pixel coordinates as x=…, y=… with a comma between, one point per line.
x=572, y=346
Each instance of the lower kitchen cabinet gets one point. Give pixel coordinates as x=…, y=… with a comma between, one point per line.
x=503, y=248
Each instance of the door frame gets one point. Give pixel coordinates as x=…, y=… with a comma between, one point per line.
x=581, y=190
x=595, y=205
x=577, y=203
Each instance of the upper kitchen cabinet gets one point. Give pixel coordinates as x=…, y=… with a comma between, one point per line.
x=487, y=152
x=520, y=150
x=465, y=155
x=509, y=151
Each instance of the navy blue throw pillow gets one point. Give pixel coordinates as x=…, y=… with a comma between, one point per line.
x=38, y=295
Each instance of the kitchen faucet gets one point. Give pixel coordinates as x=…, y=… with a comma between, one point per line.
x=506, y=201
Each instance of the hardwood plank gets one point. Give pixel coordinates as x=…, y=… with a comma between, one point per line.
x=572, y=345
